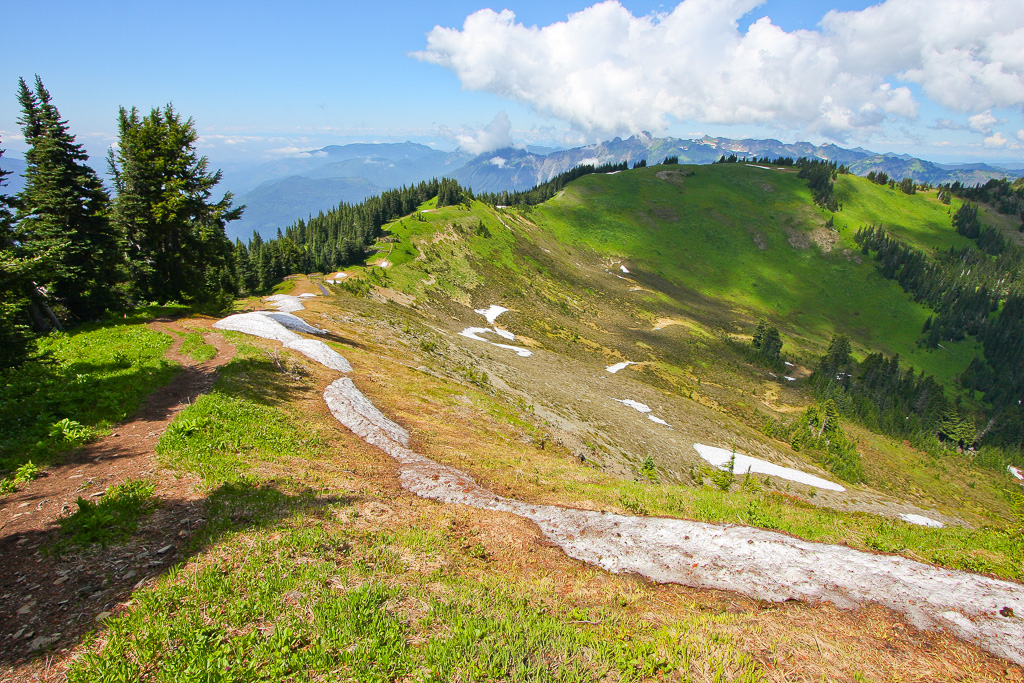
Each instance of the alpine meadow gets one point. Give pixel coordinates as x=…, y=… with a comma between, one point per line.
x=569, y=402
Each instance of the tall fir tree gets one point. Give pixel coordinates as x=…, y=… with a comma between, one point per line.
x=15, y=276
x=61, y=220
x=174, y=231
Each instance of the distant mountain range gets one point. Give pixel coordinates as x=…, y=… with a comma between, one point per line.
x=279, y=192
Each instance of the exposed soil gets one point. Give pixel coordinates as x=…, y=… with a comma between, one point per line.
x=49, y=602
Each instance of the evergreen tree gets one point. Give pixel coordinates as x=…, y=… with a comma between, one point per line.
x=15, y=276
x=767, y=341
x=61, y=214
x=175, y=232
x=245, y=271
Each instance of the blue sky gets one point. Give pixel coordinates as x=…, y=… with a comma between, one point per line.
x=264, y=79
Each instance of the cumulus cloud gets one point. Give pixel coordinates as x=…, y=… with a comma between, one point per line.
x=982, y=122
x=996, y=141
x=495, y=135
x=606, y=71
x=1020, y=135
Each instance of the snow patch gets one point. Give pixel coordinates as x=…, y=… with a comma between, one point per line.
x=491, y=313
x=719, y=457
x=293, y=322
x=475, y=332
x=624, y=269
x=791, y=379
x=636, y=405
x=619, y=366
x=652, y=418
x=275, y=326
x=1015, y=472
x=306, y=296
x=503, y=333
x=286, y=303
x=258, y=325
x=789, y=364
x=315, y=349
x=921, y=520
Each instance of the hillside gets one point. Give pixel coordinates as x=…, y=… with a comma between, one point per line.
x=494, y=343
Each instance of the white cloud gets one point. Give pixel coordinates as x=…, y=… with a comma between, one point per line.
x=996, y=141
x=495, y=135
x=606, y=71
x=498, y=161
x=982, y=122
x=1020, y=135
x=292, y=151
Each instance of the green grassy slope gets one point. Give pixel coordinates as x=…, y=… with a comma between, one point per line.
x=750, y=239
x=709, y=250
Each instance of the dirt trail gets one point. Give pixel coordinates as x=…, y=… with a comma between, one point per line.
x=46, y=601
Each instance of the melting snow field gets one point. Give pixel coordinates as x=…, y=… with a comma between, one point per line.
x=719, y=457
x=267, y=325
x=921, y=520
x=619, y=366
x=491, y=314
x=641, y=408
x=1015, y=472
x=636, y=405
x=475, y=332
x=761, y=564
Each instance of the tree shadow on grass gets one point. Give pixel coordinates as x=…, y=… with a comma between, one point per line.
x=50, y=601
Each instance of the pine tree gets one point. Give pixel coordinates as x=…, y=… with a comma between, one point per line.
x=61, y=217
x=175, y=233
x=245, y=271
x=15, y=276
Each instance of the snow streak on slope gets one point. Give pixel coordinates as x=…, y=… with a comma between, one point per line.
x=719, y=457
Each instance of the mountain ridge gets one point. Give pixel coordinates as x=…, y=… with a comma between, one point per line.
x=391, y=165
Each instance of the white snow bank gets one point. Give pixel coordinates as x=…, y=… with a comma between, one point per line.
x=789, y=364
x=358, y=413
x=1015, y=472
x=619, y=366
x=641, y=408
x=267, y=325
x=306, y=296
x=624, y=269
x=791, y=379
x=286, y=303
x=475, y=332
x=921, y=520
x=258, y=325
x=491, y=313
x=321, y=353
x=636, y=405
x=767, y=168
x=719, y=457
x=293, y=322
x=503, y=333
x=761, y=564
